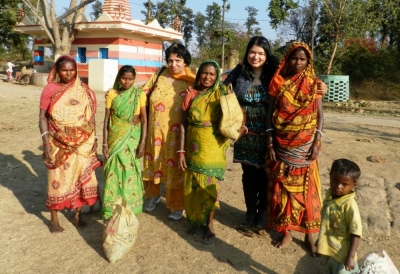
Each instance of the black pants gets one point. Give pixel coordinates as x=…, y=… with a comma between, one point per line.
x=254, y=188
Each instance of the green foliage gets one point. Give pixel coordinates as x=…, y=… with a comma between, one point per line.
x=96, y=10
x=166, y=11
x=251, y=21
x=279, y=11
x=13, y=45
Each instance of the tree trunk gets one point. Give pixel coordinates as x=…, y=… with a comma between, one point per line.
x=328, y=69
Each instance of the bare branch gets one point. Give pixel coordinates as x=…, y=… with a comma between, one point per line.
x=70, y=11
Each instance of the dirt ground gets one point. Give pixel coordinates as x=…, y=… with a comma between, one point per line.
x=162, y=246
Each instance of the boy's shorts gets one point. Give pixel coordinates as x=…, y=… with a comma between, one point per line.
x=331, y=266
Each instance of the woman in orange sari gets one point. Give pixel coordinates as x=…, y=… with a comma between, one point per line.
x=67, y=127
x=294, y=130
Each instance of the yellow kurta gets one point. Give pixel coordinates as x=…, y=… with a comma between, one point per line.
x=165, y=113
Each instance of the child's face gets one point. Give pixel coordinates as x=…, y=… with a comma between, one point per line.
x=127, y=79
x=341, y=185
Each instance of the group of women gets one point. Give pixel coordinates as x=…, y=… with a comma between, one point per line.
x=181, y=143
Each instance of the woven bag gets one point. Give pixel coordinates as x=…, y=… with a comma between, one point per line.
x=232, y=115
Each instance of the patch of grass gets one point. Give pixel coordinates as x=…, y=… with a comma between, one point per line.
x=375, y=90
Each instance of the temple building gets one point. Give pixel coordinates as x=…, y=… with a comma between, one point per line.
x=114, y=35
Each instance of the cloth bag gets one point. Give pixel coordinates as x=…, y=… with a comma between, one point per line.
x=232, y=115
x=120, y=233
x=377, y=263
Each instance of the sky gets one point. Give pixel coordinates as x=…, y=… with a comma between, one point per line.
x=237, y=12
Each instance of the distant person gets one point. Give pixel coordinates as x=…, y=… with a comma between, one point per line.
x=68, y=130
x=165, y=114
x=124, y=139
x=294, y=131
x=9, y=70
x=202, y=148
x=341, y=227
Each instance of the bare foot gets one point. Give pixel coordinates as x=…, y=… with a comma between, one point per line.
x=77, y=221
x=209, y=232
x=55, y=227
x=308, y=240
x=284, y=241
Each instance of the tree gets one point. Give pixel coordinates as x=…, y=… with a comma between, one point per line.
x=60, y=30
x=279, y=11
x=343, y=19
x=166, y=11
x=97, y=10
x=251, y=21
x=12, y=44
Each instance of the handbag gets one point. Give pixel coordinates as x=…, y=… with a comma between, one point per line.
x=232, y=115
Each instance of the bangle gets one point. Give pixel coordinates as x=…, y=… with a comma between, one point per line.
x=317, y=143
x=320, y=132
x=44, y=133
x=105, y=145
x=269, y=129
x=180, y=151
x=96, y=137
x=270, y=145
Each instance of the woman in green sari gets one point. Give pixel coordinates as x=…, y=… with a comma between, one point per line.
x=204, y=159
x=124, y=135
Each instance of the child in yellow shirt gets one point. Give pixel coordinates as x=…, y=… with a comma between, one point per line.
x=341, y=226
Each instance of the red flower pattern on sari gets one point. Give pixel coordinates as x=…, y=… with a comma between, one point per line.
x=158, y=174
x=175, y=128
x=171, y=163
x=149, y=157
x=157, y=142
x=159, y=107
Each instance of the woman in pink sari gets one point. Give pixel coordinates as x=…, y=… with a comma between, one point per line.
x=67, y=127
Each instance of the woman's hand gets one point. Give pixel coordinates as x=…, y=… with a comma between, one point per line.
x=182, y=161
x=270, y=154
x=46, y=157
x=94, y=147
x=106, y=152
x=140, y=151
x=243, y=130
x=322, y=88
x=313, y=153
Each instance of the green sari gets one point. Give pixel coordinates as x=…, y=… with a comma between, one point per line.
x=122, y=171
x=205, y=154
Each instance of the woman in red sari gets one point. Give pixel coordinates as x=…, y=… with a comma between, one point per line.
x=67, y=127
x=294, y=130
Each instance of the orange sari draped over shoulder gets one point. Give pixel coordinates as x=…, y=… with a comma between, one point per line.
x=294, y=194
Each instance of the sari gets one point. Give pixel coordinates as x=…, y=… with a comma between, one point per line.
x=122, y=171
x=205, y=152
x=294, y=188
x=72, y=182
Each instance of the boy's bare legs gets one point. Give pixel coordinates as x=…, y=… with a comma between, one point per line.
x=77, y=220
x=209, y=229
x=54, y=223
x=286, y=238
x=308, y=239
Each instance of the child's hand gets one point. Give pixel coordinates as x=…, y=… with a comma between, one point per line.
x=349, y=263
x=140, y=151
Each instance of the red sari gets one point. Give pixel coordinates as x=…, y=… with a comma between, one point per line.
x=294, y=188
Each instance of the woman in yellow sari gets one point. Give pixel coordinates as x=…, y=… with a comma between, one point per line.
x=67, y=126
x=294, y=130
x=204, y=159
